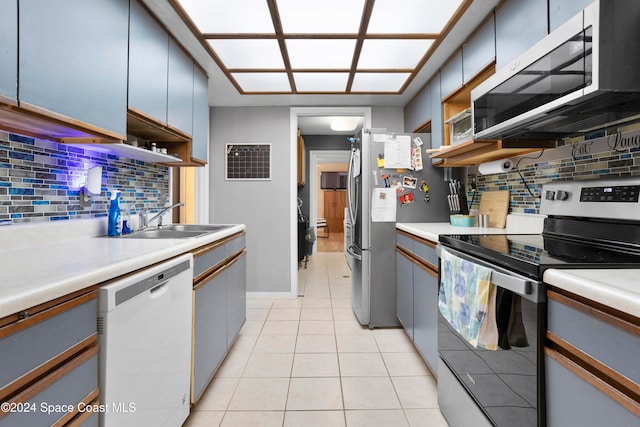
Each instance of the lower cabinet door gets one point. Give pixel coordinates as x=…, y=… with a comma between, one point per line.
x=573, y=401
x=236, y=297
x=404, y=292
x=425, y=314
x=210, y=329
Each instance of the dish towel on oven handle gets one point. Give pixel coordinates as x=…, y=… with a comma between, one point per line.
x=467, y=300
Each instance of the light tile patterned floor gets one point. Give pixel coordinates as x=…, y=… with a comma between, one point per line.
x=308, y=363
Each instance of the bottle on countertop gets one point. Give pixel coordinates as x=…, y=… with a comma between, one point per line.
x=113, y=226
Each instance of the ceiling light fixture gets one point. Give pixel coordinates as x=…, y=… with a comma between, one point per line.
x=344, y=124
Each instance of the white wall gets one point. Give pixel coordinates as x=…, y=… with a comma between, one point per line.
x=264, y=206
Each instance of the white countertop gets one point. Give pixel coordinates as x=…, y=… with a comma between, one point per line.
x=431, y=230
x=34, y=274
x=619, y=289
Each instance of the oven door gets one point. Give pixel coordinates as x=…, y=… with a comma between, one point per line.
x=506, y=385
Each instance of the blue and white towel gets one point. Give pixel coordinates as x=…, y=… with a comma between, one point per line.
x=467, y=300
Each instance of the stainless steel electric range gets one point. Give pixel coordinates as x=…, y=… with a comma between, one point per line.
x=589, y=224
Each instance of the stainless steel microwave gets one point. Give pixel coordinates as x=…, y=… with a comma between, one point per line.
x=579, y=78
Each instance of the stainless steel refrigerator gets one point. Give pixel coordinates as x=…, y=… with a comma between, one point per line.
x=371, y=249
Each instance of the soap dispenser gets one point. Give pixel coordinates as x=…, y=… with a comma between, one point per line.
x=113, y=227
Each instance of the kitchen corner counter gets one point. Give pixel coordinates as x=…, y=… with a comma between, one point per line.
x=432, y=230
x=614, y=288
x=517, y=223
x=38, y=273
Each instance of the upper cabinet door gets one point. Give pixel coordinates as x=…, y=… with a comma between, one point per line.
x=451, y=79
x=560, y=11
x=519, y=25
x=9, y=50
x=418, y=111
x=436, y=114
x=480, y=51
x=148, y=61
x=200, y=140
x=180, y=100
x=73, y=60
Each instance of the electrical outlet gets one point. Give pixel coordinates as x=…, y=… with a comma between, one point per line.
x=85, y=198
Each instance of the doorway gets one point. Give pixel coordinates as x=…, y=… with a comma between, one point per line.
x=296, y=112
x=327, y=204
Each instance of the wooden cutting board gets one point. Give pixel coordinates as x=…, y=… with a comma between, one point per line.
x=496, y=205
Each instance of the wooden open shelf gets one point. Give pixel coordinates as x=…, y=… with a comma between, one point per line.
x=474, y=152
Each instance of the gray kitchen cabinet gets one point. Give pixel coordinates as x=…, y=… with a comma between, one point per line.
x=592, y=375
x=404, y=291
x=209, y=329
x=180, y=89
x=437, y=126
x=418, y=111
x=86, y=83
x=451, y=76
x=219, y=306
x=236, y=296
x=560, y=11
x=425, y=313
x=50, y=357
x=479, y=51
x=148, y=59
x=417, y=294
x=9, y=51
x=200, y=136
x=519, y=25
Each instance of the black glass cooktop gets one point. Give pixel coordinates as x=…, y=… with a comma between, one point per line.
x=531, y=254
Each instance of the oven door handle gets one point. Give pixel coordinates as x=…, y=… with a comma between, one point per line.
x=516, y=284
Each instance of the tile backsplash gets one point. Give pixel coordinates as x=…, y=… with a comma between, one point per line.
x=605, y=157
x=40, y=181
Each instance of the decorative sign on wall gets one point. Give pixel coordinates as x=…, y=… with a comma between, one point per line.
x=247, y=162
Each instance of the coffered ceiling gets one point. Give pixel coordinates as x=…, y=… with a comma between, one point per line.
x=320, y=52
x=328, y=46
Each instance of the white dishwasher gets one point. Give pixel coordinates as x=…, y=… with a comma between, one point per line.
x=144, y=322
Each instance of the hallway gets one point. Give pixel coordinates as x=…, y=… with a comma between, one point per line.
x=308, y=363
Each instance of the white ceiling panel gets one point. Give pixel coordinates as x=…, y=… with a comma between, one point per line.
x=321, y=82
x=379, y=82
x=249, y=53
x=320, y=16
x=263, y=82
x=320, y=54
x=411, y=16
x=395, y=54
x=224, y=16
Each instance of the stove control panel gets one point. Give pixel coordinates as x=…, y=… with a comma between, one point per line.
x=620, y=193
x=617, y=198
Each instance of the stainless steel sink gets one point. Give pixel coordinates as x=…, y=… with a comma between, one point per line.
x=195, y=227
x=155, y=233
x=176, y=231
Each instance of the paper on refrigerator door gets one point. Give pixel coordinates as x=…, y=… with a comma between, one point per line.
x=383, y=205
x=397, y=152
x=356, y=163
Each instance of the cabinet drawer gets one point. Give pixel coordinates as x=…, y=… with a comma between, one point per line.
x=404, y=241
x=56, y=397
x=427, y=253
x=614, y=347
x=207, y=258
x=236, y=245
x=25, y=349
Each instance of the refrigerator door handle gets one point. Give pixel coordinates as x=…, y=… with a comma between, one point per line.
x=350, y=183
x=351, y=250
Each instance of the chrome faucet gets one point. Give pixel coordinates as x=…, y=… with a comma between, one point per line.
x=144, y=222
